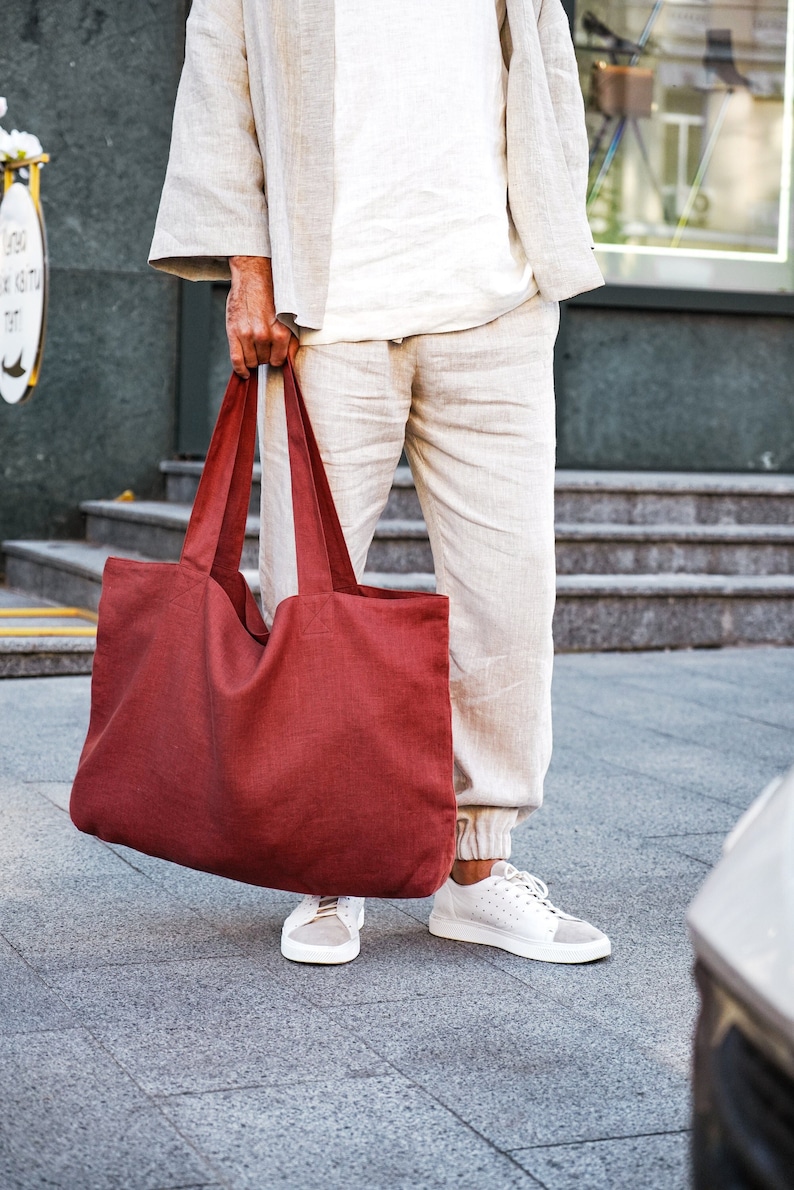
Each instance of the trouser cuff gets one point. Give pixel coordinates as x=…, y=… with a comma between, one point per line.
x=484, y=831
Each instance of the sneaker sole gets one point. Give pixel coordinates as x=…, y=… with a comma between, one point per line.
x=328, y=956
x=299, y=952
x=543, y=952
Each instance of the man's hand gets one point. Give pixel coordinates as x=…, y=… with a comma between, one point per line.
x=255, y=334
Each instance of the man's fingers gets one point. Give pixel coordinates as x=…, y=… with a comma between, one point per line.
x=251, y=345
x=263, y=345
x=250, y=351
x=278, y=354
x=237, y=357
x=283, y=340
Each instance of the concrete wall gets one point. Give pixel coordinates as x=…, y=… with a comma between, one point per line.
x=651, y=390
x=96, y=82
x=675, y=391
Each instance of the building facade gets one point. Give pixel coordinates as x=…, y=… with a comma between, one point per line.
x=682, y=363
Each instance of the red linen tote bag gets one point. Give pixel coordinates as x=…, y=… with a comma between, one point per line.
x=316, y=757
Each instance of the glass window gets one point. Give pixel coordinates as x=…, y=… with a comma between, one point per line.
x=689, y=116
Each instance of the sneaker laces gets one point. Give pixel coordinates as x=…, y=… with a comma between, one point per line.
x=531, y=886
x=327, y=907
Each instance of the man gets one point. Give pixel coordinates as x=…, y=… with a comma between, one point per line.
x=348, y=165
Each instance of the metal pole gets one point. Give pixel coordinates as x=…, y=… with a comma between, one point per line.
x=711, y=144
x=621, y=128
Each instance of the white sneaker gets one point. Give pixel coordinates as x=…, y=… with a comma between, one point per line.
x=512, y=910
x=323, y=930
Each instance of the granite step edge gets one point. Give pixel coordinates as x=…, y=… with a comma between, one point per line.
x=640, y=482
x=88, y=559
x=170, y=515
x=163, y=514
x=694, y=483
x=699, y=534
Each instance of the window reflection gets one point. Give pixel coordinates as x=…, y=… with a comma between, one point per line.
x=689, y=123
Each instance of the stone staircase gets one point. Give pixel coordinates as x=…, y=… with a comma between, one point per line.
x=645, y=561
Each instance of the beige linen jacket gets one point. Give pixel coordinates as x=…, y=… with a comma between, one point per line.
x=251, y=167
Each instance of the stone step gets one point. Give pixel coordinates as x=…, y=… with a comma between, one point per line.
x=71, y=571
x=594, y=612
x=182, y=480
x=621, y=497
x=156, y=529
x=65, y=571
x=400, y=547
x=39, y=638
x=403, y=546
x=152, y=528
x=672, y=611
x=681, y=498
x=675, y=549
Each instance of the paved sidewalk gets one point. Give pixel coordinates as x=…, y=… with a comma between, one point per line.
x=152, y=1037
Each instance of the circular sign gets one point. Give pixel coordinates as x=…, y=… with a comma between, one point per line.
x=23, y=284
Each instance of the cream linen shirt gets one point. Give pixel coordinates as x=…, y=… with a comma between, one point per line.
x=251, y=169
x=421, y=236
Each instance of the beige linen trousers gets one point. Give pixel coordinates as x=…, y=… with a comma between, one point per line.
x=475, y=411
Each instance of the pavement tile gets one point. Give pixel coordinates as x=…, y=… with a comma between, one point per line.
x=346, y=1134
x=121, y=923
x=418, y=907
x=574, y=666
x=752, y=683
x=178, y=977
x=645, y=992
x=57, y=792
x=522, y=1071
x=68, y=901
x=705, y=847
x=250, y=915
x=736, y=777
x=634, y=889
x=211, y=1024
x=633, y=910
x=399, y=960
x=666, y=711
x=762, y=703
x=629, y=802
x=763, y=667
x=27, y=1004
x=756, y=665
x=652, y=1162
x=71, y=1118
x=44, y=723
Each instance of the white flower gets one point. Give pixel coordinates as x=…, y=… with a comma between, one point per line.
x=3, y=107
x=18, y=146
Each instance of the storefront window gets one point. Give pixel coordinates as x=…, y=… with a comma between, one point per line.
x=689, y=115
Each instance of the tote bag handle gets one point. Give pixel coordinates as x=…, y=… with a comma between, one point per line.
x=216, y=531
x=323, y=559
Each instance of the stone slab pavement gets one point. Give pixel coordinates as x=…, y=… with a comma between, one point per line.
x=151, y=1036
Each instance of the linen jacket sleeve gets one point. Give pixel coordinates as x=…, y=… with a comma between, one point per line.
x=562, y=73
x=213, y=203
